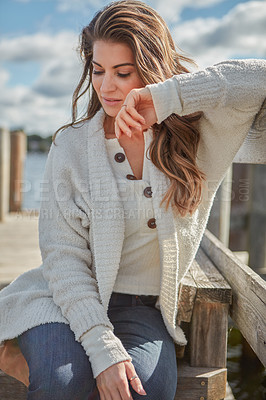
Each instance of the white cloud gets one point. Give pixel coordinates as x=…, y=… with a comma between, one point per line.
x=4, y=77
x=38, y=47
x=20, y=107
x=57, y=80
x=240, y=33
x=45, y=105
x=171, y=10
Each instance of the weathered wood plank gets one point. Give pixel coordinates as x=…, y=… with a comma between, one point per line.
x=208, y=335
x=200, y=383
x=249, y=293
x=204, y=298
x=211, y=285
x=203, y=283
x=11, y=389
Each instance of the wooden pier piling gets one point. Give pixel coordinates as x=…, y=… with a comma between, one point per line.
x=18, y=153
x=4, y=172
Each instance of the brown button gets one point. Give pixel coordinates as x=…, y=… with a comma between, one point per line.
x=120, y=157
x=151, y=223
x=147, y=192
x=131, y=177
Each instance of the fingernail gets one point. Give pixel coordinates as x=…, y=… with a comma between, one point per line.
x=142, y=391
x=129, y=133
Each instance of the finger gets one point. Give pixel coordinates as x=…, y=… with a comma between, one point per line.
x=101, y=393
x=118, y=132
x=133, y=112
x=137, y=386
x=130, y=121
x=135, y=383
x=124, y=389
x=125, y=393
x=118, y=396
x=109, y=396
x=133, y=98
x=123, y=126
x=114, y=394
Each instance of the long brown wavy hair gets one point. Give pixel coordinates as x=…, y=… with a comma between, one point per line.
x=175, y=141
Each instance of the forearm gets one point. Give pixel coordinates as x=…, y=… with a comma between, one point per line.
x=103, y=348
x=239, y=84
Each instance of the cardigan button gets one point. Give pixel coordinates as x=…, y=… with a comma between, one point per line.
x=131, y=177
x=151, y=223
x=147, y=192
x=120, y=157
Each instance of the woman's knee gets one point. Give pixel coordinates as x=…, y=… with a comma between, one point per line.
x=158, y=374
x=160, y=385
x=58, y=365
x=62, y=383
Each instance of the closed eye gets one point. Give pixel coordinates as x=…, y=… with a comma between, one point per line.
x=123, y=75
x=118, y=74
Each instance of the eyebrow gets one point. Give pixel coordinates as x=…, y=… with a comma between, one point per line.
x=115, y=66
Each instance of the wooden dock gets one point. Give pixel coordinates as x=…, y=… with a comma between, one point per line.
x=19, y=252
x=19, y=245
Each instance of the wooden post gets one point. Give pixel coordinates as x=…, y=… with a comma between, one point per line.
x=18, y=152
x=208, y=336
x=4, y=172
x=257, y=221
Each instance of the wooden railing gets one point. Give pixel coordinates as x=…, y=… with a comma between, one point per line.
x=248, y=308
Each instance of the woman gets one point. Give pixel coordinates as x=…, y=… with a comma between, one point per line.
x=129, y=190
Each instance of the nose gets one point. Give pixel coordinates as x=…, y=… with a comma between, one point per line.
x=108, y=84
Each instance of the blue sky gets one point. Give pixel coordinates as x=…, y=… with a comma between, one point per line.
x=40, y=67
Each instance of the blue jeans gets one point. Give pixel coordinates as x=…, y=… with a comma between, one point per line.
x=60, y=369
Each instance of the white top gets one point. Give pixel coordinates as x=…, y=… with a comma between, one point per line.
x=81, y=245
x=139, y=267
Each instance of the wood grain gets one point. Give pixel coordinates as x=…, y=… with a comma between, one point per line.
x=248, y=309
x=200, y=383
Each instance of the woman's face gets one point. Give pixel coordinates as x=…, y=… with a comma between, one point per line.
x=114, y=74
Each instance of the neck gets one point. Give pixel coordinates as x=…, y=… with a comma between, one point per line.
x=109, y=127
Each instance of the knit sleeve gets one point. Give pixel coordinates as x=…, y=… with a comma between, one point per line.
x=103, y=348
x=238, y=84
x=64, y=243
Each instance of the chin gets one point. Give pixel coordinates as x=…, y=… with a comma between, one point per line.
x=110, y=113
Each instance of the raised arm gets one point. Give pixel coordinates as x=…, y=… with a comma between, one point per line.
x=235, y=85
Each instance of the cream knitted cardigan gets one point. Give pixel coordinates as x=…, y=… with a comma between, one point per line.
x=81, y=223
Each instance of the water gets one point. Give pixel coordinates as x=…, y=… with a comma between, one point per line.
x=247, y=378
x=32, y=182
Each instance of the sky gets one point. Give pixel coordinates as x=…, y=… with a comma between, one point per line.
x=40, y=65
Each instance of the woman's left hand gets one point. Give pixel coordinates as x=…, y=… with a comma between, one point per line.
x=137, y=113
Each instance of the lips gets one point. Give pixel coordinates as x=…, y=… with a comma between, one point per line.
x=111, y=101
